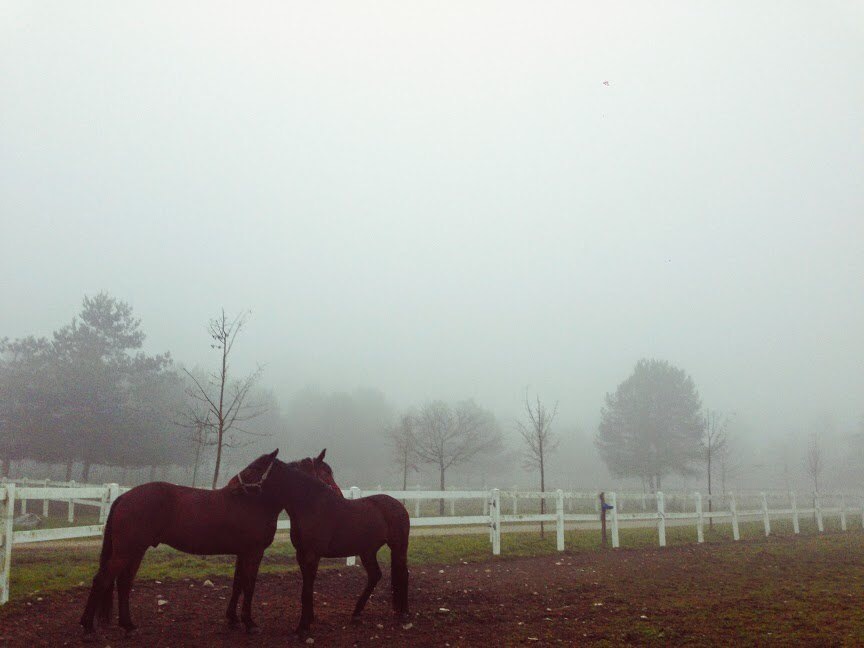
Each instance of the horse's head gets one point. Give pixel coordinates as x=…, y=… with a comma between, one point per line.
x=251, y=479
x=320, y=469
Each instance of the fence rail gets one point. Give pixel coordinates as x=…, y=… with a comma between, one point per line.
x=692, y=505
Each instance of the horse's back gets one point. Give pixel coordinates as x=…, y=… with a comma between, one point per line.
x=395, y=516
x=193, y=520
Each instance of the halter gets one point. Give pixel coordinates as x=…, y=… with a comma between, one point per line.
x=258, y=484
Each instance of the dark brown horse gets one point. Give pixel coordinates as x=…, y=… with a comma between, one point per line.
x=234, y=520
x=324, y=525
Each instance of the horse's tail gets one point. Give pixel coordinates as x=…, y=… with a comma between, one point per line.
x=399, y=527
x=106, y=604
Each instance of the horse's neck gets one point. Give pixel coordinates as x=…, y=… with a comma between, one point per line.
x=301, y=493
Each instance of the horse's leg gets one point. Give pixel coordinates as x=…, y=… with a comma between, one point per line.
x=309, y=568
x=231, y=612
x=250, y=575
x=106, y=605
x=124, y=586
x=103, y=579
x=373, y=575
x=399, y=579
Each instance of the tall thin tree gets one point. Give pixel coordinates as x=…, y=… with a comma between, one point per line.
x=224, y=399
x=539, y=441
x=402, y=443
x=713, y=443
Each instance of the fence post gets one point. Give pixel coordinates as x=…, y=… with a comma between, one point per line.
x=24, y=506
x=765, y=517
x=488, y=511
x=661, y=519
x=8, y=521
x=614, y=502
x=71, y=515
x=103, y=509
x=113, y=494
x=515, y=501
x=817, y=504
x=496, y=521
x=45, y=503
x=842, y=512
x=700, y=519
x=796, y=527
x=350, y=561
x=559, y=522
x=733, y=507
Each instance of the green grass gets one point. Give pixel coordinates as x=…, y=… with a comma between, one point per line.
x=63, y=565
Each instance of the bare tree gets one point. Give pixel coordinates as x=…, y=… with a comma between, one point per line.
x=539, y=441
x=814, y=461
x=714, y=442
x=402, y=444
x=446, y=436
x=201, y=437
x=224, y=399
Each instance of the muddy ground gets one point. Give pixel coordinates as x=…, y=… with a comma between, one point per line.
x=785, y=591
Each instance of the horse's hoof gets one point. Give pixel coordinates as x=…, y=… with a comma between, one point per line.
x=253, y=629
x=131, y=630
x=356, y=618
x=89, y=637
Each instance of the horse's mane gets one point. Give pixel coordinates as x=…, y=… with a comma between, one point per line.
x=306, y=483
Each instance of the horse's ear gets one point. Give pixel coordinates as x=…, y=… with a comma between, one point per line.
x=274, y=453
x=320, y=457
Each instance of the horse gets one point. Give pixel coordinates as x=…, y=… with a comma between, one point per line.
x=324, y=525
x=232, y=520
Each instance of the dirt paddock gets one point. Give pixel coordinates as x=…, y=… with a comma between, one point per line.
x=786, y=591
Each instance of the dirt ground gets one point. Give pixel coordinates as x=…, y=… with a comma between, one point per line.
x=786, y=591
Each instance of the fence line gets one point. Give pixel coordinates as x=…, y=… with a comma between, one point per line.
x=492, y=515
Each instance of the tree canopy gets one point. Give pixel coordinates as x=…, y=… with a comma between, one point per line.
x=652, y=425
x=89, y=394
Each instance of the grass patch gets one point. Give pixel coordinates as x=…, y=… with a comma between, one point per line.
x=66, y=565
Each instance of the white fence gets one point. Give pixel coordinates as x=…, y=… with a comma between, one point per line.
x=694, y=510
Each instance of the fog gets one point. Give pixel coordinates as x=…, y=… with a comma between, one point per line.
x=451, y=201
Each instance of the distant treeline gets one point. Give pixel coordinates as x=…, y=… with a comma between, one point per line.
x=89, y=395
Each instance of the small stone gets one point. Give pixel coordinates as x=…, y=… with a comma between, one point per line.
x=161, y=602
x=443, y=610
x=80, y=583
x=208, y=583
x=310, y=641
x=407, y=626
x=380, y=626
x=157, y=582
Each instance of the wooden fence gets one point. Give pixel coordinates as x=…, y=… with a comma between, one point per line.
x=693, y=510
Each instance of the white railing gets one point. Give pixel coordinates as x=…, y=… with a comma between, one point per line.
x=490, y=505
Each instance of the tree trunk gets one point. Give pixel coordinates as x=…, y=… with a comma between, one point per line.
x=441, y=487
x=69, y=470
x=710, y=519
x=223, y=377
x=4, y=467
x=195, y=469
x=657, y=481
x=85, y=471
x=218, y=458
x=542, y=490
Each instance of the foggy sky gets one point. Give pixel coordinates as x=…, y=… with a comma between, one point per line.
x=444, y=200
